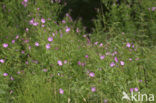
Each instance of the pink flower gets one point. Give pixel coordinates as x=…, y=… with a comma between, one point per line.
x=2, y=60
x=5, y=45
x=122, y=63
x=112, y=64
x=48, y=46
x=11, y=78
x=101, y=45
x=35, y=23
x=91, y=74
x=13, y=41
x=27, y=29
x=45, y=70
x=136, y=89
x=59, y=62
x=63, y=21
x=96, y=43
x=43, y=20
x=131, y=89
x=93, y=89
x=61, y=91
x=67, y=29
x=31, y=21
x=50, y=39
x=102, y=57
x=130, y=59
x=37, y=44
x=86, y=56
x=5, y=74
x=116, y=59
x=65, y=61
x=25, y=1
x=17, y=36
x=128, y=45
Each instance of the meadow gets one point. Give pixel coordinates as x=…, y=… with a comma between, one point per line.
x=77, y=51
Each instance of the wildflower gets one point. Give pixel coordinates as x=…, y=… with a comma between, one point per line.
x=43, y=25
x=5, y=74
x=112, y=64
x=130, y=59
x=101, y=45
x=37, y=44
x=43, y=20
x=45, y=70
x=50, y=39
x=96, y=43
x=79, y=63
x=2, y=61
x=102, y=57
x=105, y=101
x=136, y=89
x=59, y=62
x=35, y=23
x=128, y=45
x=63, y=21
x=116, y=59
x=31, y=21
x=11, y=78
x=153, y=8
x=5, y=45
x=65, y=61
x=86, y=56
x=67, y=29
x=61, y=91
x=140, y=80
x=91, y=74
x=11, y=91
x=131, y=89
x=27, y=29
x=17, y=36
x=77, y=30
x=48, y=46
x=13, y=41
x=122, y=63
x=25, y=1
x=93, y=89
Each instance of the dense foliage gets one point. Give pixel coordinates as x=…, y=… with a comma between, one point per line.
x=76, y=51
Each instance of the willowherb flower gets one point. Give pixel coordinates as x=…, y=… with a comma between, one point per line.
x=131, y=89
x=59, y=62
x=45, y=70
x=116, y=59
x=91, y=74
x=5, y=45
x=27, y=29
x=102, y=57
x=112, y=64
x=65, y=61
x=13, y=41
x=35, y=23
x=48, y=46
x=43, y=20
x=50, y=39
x=25, y=1
x=130, y=59
x=5, y=74
x=11, y=78
x=86, y=56
x=96, y=43
x=101, y=45
x=136, y=89
x=93, y=89
x=105, y=101
x=37, y=44
x=63, y=21
x=128, y=45
x=61, y=91
x=31, y=21
x=67, y=29
x=2, y=61
x=122, y=63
